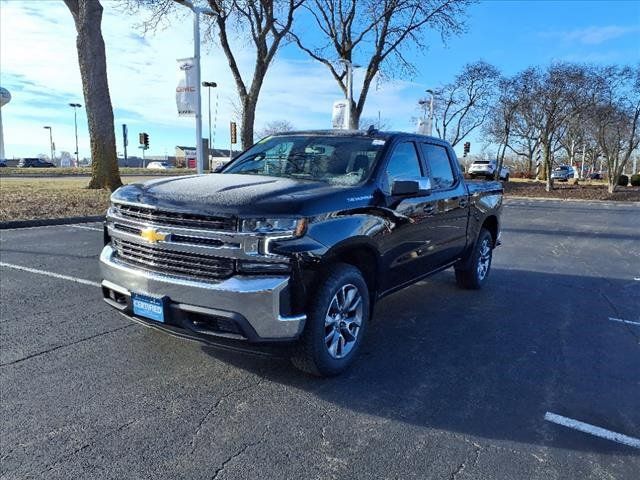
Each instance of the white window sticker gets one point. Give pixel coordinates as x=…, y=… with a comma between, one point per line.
x=377, y=141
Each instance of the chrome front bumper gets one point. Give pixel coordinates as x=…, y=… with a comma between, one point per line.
x=255, y=303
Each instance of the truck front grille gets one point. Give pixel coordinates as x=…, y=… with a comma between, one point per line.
x=185, y=220
x=169, y=262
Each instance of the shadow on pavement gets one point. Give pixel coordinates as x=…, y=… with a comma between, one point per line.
x=490, y=363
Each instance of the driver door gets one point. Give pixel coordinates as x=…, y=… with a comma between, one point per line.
x=405, y=250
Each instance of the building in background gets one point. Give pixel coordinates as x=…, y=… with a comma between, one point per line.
x=186, y=157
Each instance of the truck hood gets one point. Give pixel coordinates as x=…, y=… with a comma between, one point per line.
x=236, y=194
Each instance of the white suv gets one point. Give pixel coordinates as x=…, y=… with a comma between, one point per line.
x=487, y=168
x=159, y=165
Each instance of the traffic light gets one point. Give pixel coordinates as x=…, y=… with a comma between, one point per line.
x=234, y=133
x=143, y=138
x=467, y=148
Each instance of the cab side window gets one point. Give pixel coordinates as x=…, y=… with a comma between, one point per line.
x=403, y=164
x=439, y=165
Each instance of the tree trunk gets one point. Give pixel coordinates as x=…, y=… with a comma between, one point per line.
x=354, y=122
x=87, y=15
x=547, y=166
x=248, y=119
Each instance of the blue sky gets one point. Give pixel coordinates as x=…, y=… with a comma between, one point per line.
x=38, y=64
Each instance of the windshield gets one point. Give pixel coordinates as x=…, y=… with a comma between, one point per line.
x=335, y=160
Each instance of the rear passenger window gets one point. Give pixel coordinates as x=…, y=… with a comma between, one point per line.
x=403, y=163
x=439, y=165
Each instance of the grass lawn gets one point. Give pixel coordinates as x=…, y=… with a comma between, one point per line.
x=70, y=172
x=31, y=198
x=58, y=197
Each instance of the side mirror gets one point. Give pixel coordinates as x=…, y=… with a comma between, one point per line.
x=411, y=187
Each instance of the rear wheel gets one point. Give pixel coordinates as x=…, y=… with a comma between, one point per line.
x=474, y=277
x=336, y=322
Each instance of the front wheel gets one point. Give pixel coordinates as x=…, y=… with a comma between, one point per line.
x=336, y=321
x=474, y=277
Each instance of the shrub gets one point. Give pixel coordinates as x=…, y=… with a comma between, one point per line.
x=623, y=180
x=635, y=180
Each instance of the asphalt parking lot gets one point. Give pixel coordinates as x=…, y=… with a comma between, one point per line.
x=452, y=384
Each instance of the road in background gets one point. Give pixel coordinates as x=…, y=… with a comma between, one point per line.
x=450, y=383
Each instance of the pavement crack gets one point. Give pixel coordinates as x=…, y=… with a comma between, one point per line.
x=86, y=446
x=242, y=449
x=215, y=406
x=463, y=465
x=58, y=347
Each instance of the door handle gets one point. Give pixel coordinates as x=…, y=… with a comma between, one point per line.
x=430, y=208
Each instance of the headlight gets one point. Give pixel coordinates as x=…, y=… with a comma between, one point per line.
x=293, y=226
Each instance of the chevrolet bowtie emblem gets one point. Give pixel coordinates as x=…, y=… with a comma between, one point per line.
x=151, y=235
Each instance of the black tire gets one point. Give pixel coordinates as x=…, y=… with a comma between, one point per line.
x=474, y=277
x=472, y=176
x=312, y=354
x=506, y=178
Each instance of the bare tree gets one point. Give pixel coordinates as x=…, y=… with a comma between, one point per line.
x=87, y=16
x=615, y=118
x=503, y=115
x=274, y=127
x=464, y=104
x=552, y=99
x=269, y=22
x=262, y=24
x=380, y=123
x=375, y=33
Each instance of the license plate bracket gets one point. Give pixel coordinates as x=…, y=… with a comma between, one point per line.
x=153, y=308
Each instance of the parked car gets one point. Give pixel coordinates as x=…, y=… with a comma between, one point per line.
x=596, y=176
x=159, y=165
x=3, y=164
x=296, y=239
x=34, y=163
x=487, y=169
x=564, y=173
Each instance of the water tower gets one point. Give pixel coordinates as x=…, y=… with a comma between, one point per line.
x=5, y=97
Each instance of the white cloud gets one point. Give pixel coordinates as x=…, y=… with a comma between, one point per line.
x=38, y=63
x=594, y=35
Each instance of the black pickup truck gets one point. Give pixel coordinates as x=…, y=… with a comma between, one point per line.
x=296, y=239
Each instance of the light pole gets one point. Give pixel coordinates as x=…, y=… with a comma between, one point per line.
x=75, y=107
x=51, y=145
x=430, y=125
x=196, y=57
x=209, y=86
x=422, y=123
x=350, y=66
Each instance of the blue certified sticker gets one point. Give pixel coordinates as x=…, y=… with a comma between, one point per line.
x=148, y=307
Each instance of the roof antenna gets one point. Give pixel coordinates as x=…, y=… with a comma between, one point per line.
x=372, y=130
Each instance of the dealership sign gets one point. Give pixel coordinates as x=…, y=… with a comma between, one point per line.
x=186, y=91
x=339, y=115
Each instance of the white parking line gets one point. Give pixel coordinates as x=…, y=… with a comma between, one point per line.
x=50, y=274
x=82, y=227
x=592, y=430
x=624, y=321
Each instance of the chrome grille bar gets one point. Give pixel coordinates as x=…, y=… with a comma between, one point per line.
x=169, y=262
x=162, y=217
